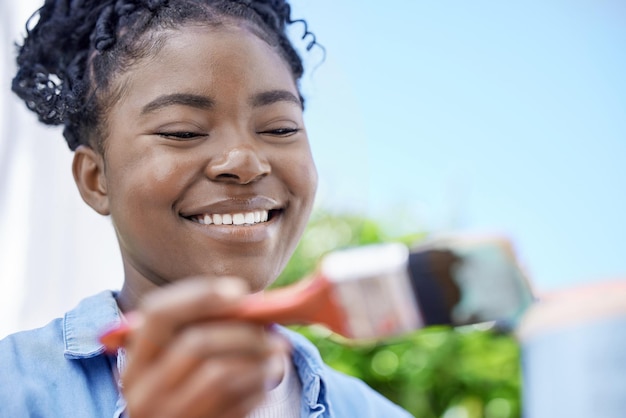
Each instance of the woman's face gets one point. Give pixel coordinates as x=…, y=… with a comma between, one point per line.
x=208, y=169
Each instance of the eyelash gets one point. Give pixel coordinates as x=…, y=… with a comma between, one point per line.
x=281, y=131
x=187, y=136
x=181, y=136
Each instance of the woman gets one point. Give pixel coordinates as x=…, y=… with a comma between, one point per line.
x=186, y=122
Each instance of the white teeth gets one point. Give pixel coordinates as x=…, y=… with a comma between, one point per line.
x=247, y=218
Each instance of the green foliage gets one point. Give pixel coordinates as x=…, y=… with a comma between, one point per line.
x=434, y=372
x=327, y=232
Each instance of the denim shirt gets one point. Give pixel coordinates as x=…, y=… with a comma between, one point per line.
x=61, y=370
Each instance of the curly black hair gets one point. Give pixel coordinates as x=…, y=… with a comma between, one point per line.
x=74, y=48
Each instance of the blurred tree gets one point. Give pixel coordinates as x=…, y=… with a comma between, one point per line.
x=435, y=372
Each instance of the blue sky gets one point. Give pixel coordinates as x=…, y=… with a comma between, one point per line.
x=455, y=115
x=427, y=115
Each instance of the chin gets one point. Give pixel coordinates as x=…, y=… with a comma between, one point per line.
x=256, y=287
x=257, y=280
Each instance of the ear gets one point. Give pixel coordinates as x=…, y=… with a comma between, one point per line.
x=88, y=171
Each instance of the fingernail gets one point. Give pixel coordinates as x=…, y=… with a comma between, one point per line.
x=230, y=288
x=115, y=338
x=134, y=319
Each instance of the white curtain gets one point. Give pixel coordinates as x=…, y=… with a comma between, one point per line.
x=54, y=250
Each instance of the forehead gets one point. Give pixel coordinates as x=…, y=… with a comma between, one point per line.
x=226, y=58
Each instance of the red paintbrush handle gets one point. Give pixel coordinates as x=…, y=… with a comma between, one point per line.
x=307, y=302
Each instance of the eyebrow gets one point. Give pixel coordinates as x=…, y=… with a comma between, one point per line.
x=184, y=99
x=203, y=102
x=273, y=96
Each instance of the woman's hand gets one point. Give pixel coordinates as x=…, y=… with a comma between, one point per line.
x=183, y=363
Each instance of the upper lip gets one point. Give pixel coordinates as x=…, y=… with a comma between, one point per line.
x=233, y=205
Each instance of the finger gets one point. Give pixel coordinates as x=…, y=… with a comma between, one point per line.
x=230, y=385
x=214, y=387
x=200, y=342
x=157, y=383
x=164, y=312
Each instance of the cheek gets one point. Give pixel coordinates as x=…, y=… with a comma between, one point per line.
x=309, y=179
x=144, y=189
x=301, y=175
x=149, y=173
x=303, y=186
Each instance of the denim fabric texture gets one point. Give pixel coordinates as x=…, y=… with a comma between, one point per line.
x=61, y=370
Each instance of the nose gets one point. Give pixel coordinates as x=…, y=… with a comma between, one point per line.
x=241, y=164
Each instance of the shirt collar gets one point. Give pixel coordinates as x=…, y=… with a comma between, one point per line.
x=83, y=325
x=310, y=368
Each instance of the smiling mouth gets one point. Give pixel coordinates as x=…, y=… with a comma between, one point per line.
x=236, y=219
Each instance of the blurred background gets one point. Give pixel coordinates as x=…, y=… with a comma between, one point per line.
x=506, y=116
x=424, y=117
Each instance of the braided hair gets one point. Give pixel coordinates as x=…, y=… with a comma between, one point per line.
x=74, y=49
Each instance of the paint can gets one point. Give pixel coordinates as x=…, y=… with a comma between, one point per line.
x=573, y=352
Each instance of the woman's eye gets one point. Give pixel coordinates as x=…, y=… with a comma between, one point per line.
x=281, y=131
x=180, y=136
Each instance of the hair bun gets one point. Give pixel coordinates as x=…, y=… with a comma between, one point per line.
x=41, y=93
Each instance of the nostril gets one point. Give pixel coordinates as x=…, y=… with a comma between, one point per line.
x=227, y=176
x=244, y=178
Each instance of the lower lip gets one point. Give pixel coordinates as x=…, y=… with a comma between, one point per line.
x=239, y=233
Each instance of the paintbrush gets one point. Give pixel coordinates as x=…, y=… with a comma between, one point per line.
x=381, y=290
